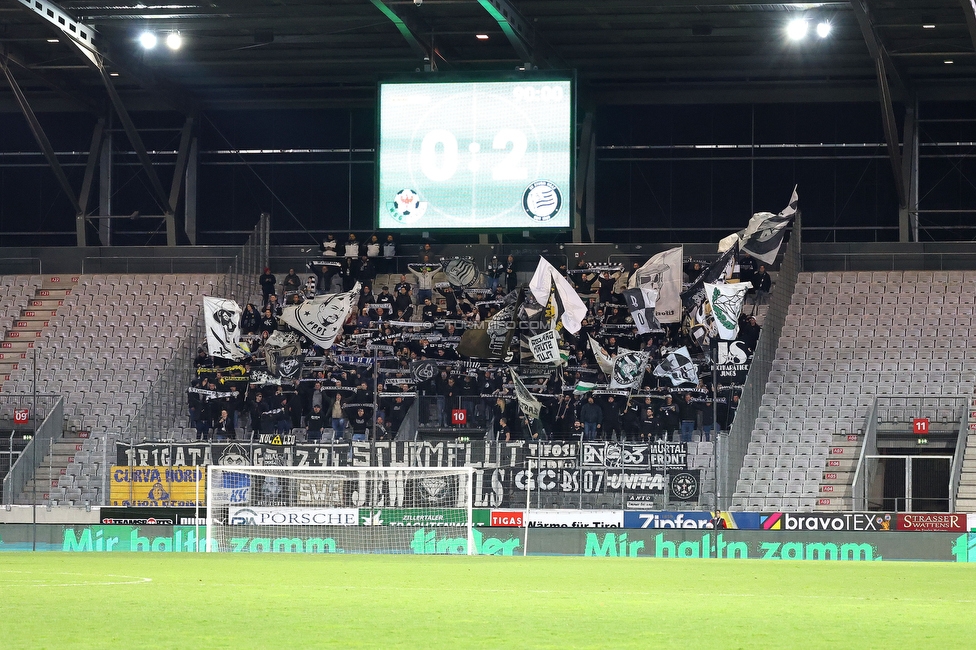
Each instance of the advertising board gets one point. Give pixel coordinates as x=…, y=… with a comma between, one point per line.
x=842, y=546
x=933, y=522
x=846, y=521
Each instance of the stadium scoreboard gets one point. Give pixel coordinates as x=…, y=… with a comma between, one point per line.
x=475, y=154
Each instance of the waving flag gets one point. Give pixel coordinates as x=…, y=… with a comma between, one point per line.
x=527, y=401
x=222, y=318
x=678, y=367
x=726, y=302
x=663, y=274
x=548, y=286
x=763, y=236
x=493, y=340
x=321, y=319
x=641, y=303
x=602, y=360
x=628, y=369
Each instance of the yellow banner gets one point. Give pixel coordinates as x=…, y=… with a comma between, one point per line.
x=157, y=486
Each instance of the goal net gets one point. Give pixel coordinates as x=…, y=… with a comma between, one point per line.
x=415, y=510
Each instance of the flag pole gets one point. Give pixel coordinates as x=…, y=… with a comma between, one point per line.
x=715, y=426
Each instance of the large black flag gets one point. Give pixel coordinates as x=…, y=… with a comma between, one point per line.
x=694, y=295
x=494, y=338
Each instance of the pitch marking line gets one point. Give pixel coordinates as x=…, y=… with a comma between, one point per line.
x=132, y=580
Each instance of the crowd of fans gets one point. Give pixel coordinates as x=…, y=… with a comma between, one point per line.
x=420, y=319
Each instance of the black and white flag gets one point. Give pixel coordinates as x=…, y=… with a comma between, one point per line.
x=545, y=348
x=321, y=319
x=641, y=303
x=763, y=236
x=283, y=366
x=493, y=339
x=527, y=402
x=717, y=271
x=422, y=371
x=222, y=318
x=628, y=369
x=460, y=271
x=548, y=285
x=663, y=274
x=678, y=367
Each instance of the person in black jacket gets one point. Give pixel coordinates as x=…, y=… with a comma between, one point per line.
x=268, y=323
x=257, y=409
x=224, y=427
x=250, y=319
x=611, y=418
x=360, y=425
x=511, y=275
x=631, y=420
x=494, y=273
x=592, y=417
x=314, y=424
x=268, y=283
x=650, y=428
x=688, y=414
x=565, y=417
x=292, y=283
x=667, y=414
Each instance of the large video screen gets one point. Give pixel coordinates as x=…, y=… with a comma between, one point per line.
x=477, y=155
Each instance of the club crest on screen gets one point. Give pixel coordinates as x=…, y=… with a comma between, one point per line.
x=407, y=206
x=542, y=200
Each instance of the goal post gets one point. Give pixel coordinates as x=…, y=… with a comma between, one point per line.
x=407, y=510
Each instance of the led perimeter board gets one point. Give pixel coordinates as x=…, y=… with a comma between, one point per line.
x=475, y=155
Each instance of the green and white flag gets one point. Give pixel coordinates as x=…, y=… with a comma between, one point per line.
x=726, y=303
x=628, y=369
x=584, y=387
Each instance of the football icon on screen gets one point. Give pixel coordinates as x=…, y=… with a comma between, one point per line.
x=407, y=206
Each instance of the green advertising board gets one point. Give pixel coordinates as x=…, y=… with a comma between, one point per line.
x=446, y=539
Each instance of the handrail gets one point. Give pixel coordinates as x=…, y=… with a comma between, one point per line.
x=7, y=263
x=167, y=264
x=838, y=262
x=956, y=473
x=49, y=432
x=870, y=444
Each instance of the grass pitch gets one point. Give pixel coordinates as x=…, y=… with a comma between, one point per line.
x=54, y=600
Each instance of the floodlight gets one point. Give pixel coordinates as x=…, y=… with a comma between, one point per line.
x=823, y=29
x=174, y=41
x=148, y=40
x=797, y=29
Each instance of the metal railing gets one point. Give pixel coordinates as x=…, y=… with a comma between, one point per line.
x=864, y=476
x=21, y=266
x=176, y=264
x=47, y=433
x=736, y=445
x=165, y=403
x=900, y=410
x=911, y=257
x=955, y=471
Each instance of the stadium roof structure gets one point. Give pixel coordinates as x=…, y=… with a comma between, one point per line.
x=239, y=54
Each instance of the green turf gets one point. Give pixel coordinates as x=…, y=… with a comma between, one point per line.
x=54, y=600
